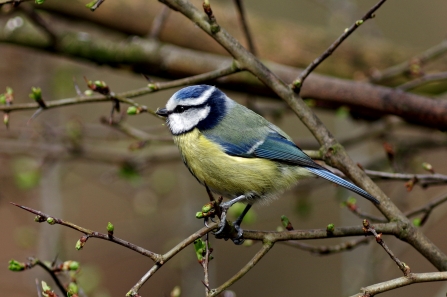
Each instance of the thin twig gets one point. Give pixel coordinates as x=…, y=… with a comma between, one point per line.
x=353, y=207
x=245, y=28
x=402, y=266
x=331, y=249
x=392, y=284
x=428, y=78
x=42, y=217
x=427, y=208
x=391, y=228
x=124, y=96
x=247, y=267
x=53, y=276
x=159, y=22
x=133, y=132
x=205, y=263
x=298, y=82
x=169, y=255
x=394, y=71
x=31, y=13
x=425, y=179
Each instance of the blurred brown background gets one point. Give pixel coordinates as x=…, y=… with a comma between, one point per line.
x=155, y=208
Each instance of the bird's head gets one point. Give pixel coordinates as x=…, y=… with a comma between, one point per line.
x=200, y=106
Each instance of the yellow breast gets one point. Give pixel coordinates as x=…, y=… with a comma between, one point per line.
x=232, y=176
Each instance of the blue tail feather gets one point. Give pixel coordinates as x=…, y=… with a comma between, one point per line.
x=324, y=173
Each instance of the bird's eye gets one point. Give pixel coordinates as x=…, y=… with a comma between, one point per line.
x=180, y=109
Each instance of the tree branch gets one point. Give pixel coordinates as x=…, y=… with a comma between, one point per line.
x=400, y=282
x=299, y=81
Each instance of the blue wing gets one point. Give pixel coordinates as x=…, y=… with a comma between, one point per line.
x=277, y=147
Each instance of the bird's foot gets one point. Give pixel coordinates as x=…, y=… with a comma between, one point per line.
x=227, y=230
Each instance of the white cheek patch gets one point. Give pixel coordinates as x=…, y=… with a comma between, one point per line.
x=187, y=120
x=173, y=101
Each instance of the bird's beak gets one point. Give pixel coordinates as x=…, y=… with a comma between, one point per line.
x=163, y=112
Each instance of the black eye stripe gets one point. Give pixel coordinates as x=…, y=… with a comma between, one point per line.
x=182, y=108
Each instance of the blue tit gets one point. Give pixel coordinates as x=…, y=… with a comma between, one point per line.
x=237, y=153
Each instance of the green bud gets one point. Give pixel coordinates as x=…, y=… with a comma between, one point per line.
x=51, y=221
x=152, y=87
x=200, y=215
x=70, y=265
x=133, y=110
x=40, y=1
x=110, y=227
x=16, y=266
x=72, y=289
x=2, y=99
x=207, y=207
x=330, y=228
x=285, y=221
x=359, y=22
x=297, y=84
x=36, y=94
x=9, y=91
x=417, y=222
x=100, y=83
x=79, y=245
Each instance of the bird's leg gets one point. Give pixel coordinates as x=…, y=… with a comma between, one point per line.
x=223, y=218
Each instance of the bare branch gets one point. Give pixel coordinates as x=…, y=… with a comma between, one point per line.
x=402, y=266
x=392, y=72
x=245, y=28
x=427, y=208
x=412, y=278
x=428, y=78
x=425, y=179
x=331, y=249
x=299, y=81
x=158, y=22
x=42, y=217
x=247, y=267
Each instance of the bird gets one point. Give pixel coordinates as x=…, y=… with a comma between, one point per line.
x=236, y=153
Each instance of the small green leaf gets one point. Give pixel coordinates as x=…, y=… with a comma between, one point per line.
x=16, y=265
x=110, y=227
